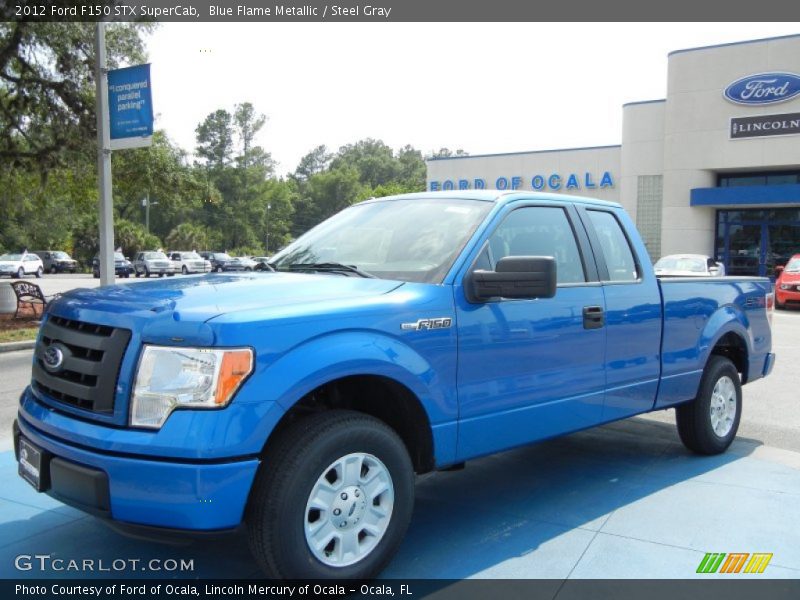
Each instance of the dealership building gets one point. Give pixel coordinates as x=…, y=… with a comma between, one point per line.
x=714, y=168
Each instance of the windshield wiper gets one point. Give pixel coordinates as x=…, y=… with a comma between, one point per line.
x=330, y=266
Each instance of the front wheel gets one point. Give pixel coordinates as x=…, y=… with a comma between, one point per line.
x=39, y=272
x=708, y=424
x=20, y=273
x=334, y=500
x=184, y=270
x=53, y=270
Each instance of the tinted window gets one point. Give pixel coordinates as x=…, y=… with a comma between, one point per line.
x=614, y=246
x=539, y=231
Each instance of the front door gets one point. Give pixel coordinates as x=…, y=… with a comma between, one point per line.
x=531, y=369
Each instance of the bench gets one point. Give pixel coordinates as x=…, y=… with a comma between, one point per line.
x=29, y=294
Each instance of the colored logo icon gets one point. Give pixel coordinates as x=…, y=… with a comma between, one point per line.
x=734, y=562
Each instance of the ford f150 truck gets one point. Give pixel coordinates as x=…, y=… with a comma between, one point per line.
x=402, y=335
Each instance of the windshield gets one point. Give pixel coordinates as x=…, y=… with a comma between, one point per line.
x=410, y=240
x=118, y=256
x=672, y=263
x=154, y=255
x=13, y=257
x=221, y=256
x=793, y=266
x=62, y=255
x=190, y=255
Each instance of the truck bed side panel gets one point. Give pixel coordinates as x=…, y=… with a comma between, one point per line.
x=698, y=312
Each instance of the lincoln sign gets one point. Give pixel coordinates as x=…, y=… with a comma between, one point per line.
x=765, y=125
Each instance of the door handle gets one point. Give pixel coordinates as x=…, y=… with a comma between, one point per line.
x=593, y=317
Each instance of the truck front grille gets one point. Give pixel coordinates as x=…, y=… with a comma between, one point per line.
x=77, y=363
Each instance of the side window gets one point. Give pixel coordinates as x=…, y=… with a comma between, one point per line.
x=614, y=245
x=538, y=231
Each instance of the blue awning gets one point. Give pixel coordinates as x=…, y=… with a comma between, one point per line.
x=788, y=194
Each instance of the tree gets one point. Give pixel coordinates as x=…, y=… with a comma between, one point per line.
x=215, y=139
x=247, y=124
x=47, y=93
x=187, y=236
x=312, y=163
x=447, y=153
x=326, y=194
x=372, y=159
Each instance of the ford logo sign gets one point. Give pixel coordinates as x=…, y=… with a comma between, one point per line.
x=764, y=88
x=53, y=358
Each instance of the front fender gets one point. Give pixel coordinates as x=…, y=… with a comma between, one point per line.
x=355, y=352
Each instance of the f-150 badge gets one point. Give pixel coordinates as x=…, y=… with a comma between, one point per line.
x=438, y=323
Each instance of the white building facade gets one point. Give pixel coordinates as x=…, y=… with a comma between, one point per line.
x=714, y=168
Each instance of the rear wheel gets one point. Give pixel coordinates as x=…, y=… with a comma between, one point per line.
x=334, y=499
x=708, y=424
x=20, y=273
x=53, y=270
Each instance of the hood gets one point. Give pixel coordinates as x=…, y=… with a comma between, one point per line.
x=10, y=263
x=790, y=277
x=200, y=298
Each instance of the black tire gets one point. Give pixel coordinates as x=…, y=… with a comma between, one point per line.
x=184, y=270
x=160, y=274
x=53, y=270
x=39, y=273
x=96, y=274
x=276, y=513
x=248, y=269
x=20, y=273
x=147, y=272
x=694, y=418
x=136, y=274
x=218, y=269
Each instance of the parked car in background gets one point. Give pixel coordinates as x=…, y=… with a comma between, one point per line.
x=241, y=263
x=787, y=286
x=218, y=260
x=189, y=262
x=56, y=261
x=153, y=263
x=688, y=265
x=122, y=266
x=262, y=263
x=19, y=265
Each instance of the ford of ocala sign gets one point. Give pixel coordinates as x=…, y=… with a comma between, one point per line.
x=764, y=88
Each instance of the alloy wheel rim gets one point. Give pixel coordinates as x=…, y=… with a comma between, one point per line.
x=723, y=406
x=349, y=509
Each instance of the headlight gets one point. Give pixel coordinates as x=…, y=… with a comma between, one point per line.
x=168, y=378
x=786, y=286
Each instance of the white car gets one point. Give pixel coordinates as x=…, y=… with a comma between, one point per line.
x=189, y=262
x=153, y=263
x=19, y=265
x=688, y=265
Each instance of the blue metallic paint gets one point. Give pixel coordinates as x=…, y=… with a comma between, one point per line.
x=507, y=373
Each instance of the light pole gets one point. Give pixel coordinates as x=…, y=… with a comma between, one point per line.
x=269, y=206
x=147, y=204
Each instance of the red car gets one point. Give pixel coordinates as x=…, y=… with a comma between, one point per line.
x=787, y=287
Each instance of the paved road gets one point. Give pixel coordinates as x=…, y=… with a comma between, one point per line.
x=771, y=414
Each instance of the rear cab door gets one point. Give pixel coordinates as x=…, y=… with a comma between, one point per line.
x=633, y=311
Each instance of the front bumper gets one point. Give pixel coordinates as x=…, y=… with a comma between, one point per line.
x=787, y=296
x=146, y=491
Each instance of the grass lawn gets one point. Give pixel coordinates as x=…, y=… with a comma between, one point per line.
x=18, y=335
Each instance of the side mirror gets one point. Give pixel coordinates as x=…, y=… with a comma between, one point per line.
x=514, y=277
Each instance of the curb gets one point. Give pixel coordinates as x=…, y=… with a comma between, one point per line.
x=14, y=346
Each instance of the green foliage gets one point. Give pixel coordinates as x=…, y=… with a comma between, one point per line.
x=229, y=198
x=47, y=104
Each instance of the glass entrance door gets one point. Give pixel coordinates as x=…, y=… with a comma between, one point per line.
x=753, y=242
x=745, y=256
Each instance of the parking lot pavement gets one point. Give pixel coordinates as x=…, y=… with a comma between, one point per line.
x=622, y=501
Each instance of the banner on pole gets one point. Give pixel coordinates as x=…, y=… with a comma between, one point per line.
x=130, y=107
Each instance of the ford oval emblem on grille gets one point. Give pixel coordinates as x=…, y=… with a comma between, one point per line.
x=53, y=358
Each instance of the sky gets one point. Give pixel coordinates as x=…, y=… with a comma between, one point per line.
x=482, y=87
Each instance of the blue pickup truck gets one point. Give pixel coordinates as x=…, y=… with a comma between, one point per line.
x=403, y=335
